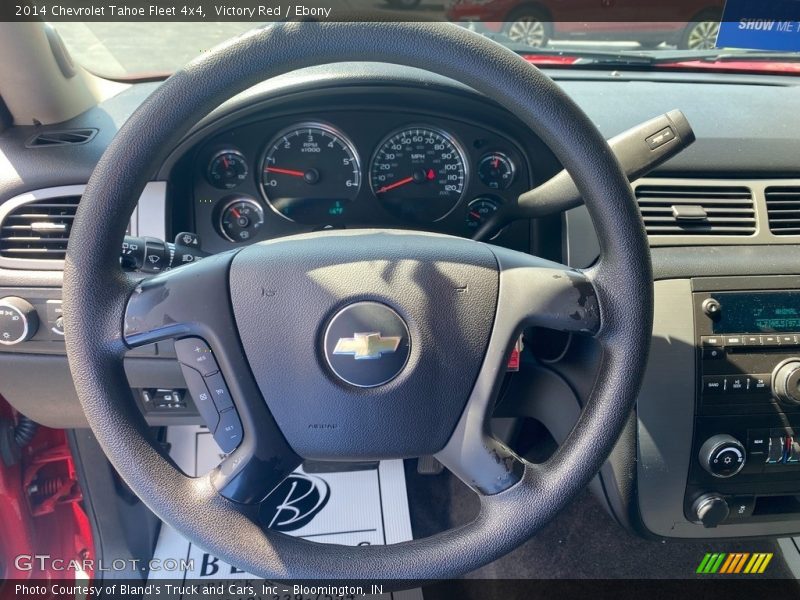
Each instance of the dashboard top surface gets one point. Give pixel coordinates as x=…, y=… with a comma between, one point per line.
x=719, y=107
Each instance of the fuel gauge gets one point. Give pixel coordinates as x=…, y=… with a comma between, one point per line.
x=496, y=171
x=240, y=219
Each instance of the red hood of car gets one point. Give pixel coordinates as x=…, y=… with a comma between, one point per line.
x=737, y=65
x=547, y=60
x=743, y=65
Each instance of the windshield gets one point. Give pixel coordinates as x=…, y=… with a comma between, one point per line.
x=129, y=49
x=125, y=49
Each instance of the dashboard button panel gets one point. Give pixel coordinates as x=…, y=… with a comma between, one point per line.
x=201, y=396
x=195, y=353
x=757, y=443
x=228, y=433
x=219, y=392
x=210, y=392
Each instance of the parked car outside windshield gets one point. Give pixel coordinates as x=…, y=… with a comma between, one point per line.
x=682, y=34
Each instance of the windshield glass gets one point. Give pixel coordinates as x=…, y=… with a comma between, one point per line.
x=687, y=36
x=125, y=49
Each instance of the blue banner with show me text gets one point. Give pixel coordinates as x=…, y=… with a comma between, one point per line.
x=760, y=25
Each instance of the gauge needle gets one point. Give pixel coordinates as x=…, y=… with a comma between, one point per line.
x=235, y=212
x=291, y=172
x=419, y=177
x=396, y=184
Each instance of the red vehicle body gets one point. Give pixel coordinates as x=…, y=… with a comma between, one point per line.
x=691, y=24
x=42, y=511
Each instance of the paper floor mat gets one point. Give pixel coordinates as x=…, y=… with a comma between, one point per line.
x=361, y=507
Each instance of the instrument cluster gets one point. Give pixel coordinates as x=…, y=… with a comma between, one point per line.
x=279, y=176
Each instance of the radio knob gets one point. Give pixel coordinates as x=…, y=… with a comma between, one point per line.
x=722, y=455
x=712, y=308
x=786, y=381
x=710, y=510
x=18, y=320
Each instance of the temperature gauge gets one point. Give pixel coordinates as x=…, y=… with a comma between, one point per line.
x=479, y=211
x=227, y=169
x=496, y=171
x=240, y=219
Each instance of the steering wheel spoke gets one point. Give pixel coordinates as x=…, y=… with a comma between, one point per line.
x=533, y=292
x=192, y=306
x=190, y=301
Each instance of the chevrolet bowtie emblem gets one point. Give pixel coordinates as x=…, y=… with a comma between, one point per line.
x=367, y=345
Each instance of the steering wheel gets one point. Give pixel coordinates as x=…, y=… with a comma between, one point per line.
x=437, y=316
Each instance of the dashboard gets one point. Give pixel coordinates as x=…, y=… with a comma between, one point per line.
x=360, y=158
x=310, y=172
x=366, y=145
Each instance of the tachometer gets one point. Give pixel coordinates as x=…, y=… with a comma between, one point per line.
x=310, y=173
x=419, y=173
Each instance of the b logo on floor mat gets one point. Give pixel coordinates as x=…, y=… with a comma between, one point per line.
x=295, y=502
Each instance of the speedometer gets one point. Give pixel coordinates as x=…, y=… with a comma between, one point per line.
x=419, y=173
x=310, y=174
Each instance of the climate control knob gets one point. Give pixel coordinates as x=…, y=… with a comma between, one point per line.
x=786, y=381
x=722, y=455
x=18, y=320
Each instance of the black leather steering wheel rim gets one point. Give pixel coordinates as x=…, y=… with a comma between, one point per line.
x=96, y=292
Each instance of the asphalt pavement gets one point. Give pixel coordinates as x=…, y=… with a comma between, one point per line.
x=121, y=49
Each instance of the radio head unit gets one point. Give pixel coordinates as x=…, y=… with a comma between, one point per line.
x=753, y=312
x=746, y=446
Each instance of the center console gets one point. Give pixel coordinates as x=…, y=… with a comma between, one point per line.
x=747, y=416
x=718, y=415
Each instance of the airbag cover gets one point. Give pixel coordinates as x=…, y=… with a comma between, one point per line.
x=286, y=292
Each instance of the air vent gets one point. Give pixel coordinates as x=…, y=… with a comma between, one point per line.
x=66, y=137
x=783, y=208
x=680, y=210
x=38, y=230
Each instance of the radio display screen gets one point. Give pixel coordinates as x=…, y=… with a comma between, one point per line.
x=758, y=312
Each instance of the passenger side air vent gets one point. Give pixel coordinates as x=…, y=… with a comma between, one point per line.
x=680, y=210
x=67, y=137
x=38, y=230
x=783, y=208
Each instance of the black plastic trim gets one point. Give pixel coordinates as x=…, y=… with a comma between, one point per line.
x=717, y=261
